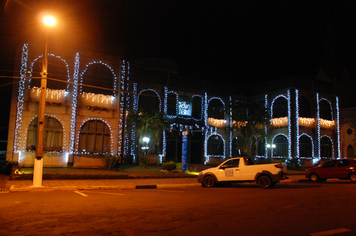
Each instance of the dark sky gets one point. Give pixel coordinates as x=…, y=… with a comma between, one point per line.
x=226, y=40
x=233, y=42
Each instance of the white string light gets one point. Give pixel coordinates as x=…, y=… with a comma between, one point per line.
x=20, y=98
x=73, y=117
x=104, y=64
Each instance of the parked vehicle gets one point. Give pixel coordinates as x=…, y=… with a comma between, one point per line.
x=340, y=168
x=242, y=169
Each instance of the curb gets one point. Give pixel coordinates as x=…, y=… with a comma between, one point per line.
x=75, y=188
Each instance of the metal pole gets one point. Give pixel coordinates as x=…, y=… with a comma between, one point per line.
x=38, y=162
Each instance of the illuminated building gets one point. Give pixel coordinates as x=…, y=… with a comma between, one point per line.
x=89, y=98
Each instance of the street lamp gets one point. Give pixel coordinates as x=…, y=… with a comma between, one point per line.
x=270, y=150
x=145, y=140
x=48, y=21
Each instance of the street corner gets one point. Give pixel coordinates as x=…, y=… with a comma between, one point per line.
x=2, y=190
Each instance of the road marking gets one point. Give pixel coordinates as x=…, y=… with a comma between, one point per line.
x=84, y=195
x=118, y=194
x=331, y=232
x=171, y=191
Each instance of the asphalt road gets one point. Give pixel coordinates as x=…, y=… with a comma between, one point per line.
x=287, y=209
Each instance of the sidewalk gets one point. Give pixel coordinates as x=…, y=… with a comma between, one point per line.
x=109, y=184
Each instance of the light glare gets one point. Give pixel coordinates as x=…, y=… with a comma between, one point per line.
x=49, y=21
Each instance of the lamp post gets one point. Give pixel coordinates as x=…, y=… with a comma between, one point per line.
x=48, y=21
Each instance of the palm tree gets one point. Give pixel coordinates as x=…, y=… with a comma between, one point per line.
x=250, y=119
x=149, y=126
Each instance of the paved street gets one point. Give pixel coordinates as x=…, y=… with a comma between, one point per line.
x=61, y=185
x=291, y=208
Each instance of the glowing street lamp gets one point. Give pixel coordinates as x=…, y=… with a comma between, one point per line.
x=270, y=149
x=145, y=140
x=48, y=21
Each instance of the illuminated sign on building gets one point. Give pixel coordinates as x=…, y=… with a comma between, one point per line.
x=184, y=108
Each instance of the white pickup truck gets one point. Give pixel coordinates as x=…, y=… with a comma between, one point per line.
x=241, y=169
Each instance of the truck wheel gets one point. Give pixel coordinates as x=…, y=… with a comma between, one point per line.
x=265, y=182
x=314, y=177
x=208, y=181
x=353, y=178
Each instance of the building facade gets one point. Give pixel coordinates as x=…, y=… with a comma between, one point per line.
x=89, y=96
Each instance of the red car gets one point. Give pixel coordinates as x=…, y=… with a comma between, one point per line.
x=340, y=168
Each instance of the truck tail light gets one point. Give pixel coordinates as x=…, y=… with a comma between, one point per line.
x=279, y=165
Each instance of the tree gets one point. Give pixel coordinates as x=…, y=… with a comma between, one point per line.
x=250, y=119
x=149, y=126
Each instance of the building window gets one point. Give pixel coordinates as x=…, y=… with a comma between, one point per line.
x=325, y=110
x=56, y=69
x=281, y=149
x=149, y=102
x=196, y=107
x=350, y=151
x=305, y=147
x=99, y=78
x=216, y=109
x=215, y=146
x=53, y=135
x=171, y=104
x=304, y=107
x=280, y=108
x=326, y=147
x=94, y=137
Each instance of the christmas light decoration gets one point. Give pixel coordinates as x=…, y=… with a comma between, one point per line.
x=326, y=123
x=289, y=126
x=104, y=64
x=133, y=135
x=20, y=98
x=201, y=105
x=318, y=123
x=220, y=123
x=338, y=127
x=288, y=119
x=297, y=120
x=51, y=55
x=280, y=122
x=127, y=140
x=51, y=94
x=166, y=103
x=266, y=129
x=98, y=99
x=230, y=125
x=73, y=116
x=152, y=90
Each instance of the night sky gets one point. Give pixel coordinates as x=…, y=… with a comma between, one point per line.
x=235, y=42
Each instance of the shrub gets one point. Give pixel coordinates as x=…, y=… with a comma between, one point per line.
x=110, y=161
x=168, y=166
